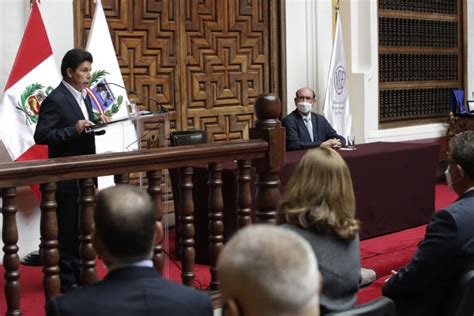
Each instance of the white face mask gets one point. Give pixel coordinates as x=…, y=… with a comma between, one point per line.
x=449, y=181
x=304, y=107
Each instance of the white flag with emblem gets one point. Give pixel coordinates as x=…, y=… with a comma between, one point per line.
x=336, y=104
x=108, y=99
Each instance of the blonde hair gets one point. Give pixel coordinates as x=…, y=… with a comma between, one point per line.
x=319, y=195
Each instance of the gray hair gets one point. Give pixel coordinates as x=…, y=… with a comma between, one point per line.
x=462, y=151
x=272, y=266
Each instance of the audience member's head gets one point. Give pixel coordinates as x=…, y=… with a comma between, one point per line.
x=269, y=270
x=125, y=225
x=319, y=195
x=460, y=171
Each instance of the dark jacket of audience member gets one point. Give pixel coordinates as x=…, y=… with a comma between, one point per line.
x=124, y=236
x=319, y=205
x=425, y=284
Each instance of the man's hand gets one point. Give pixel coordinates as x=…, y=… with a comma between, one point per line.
x=81, y=126
x=104, y=118
x=333, y=143
x=392, y=273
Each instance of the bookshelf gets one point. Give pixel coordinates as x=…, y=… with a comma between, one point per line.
x=420, y=60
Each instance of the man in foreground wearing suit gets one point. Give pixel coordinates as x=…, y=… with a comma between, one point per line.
x=305, y=129
x=63, y=118
x=124, y=237
x=421, y=287
x=266, y=270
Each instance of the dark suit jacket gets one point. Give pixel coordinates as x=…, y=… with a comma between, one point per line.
x=58, y=115
x=421, y=287
x=297, y=135
x=132, y=291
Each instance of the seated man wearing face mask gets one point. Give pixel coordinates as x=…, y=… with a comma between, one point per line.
x=305, y=129
x=423, y=286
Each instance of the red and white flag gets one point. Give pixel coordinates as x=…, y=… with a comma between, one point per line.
x=33, y=76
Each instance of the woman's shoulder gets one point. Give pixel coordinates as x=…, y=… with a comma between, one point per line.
x=323, y=238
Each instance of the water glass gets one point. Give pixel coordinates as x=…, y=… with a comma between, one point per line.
x=351, y=143
x=132, y=108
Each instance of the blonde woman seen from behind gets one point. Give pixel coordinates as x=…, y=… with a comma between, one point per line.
x=319, y=205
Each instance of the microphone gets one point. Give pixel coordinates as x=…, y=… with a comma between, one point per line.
x=160, y=108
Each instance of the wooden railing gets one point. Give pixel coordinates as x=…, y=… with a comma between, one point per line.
x=265, y=151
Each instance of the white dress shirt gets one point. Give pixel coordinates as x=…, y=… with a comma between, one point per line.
x=79, y=96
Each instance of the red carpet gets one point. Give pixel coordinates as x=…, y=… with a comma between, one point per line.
x=382, y=254
x=391, y=252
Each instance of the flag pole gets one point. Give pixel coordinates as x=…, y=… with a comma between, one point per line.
x=32, y=2
x=335, y=13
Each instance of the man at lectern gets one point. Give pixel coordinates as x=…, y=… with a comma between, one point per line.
x=63, y=118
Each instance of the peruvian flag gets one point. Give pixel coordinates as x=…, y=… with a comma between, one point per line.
x=32, y=78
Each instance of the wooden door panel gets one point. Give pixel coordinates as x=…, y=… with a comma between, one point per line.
x=204, y=60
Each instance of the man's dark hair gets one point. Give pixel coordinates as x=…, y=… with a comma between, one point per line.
x=462, y=151
x=73, y=59
x=125, y=222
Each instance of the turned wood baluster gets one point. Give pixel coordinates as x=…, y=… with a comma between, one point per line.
x=244, y=210
x=216, y=225
x=267, y=127
x=49, y=240
x=122, y=178
x=154, y=190
x=186, y=225
x=267, y=196
x=86, y=216
x=11, y=261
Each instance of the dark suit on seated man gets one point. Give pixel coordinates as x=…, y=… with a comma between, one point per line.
x=305, y=129
x=124, y=235
x=421, y=287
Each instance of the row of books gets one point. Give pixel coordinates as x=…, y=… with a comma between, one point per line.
x=418, y=67
x=416, y=32
x=429, y=6
x=414, y=103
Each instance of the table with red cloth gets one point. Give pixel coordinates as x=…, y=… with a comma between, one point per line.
x=394, y=185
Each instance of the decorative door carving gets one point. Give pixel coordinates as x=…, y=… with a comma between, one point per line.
x=204, y=60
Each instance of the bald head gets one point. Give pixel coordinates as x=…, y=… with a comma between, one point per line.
x=268, y=270
x=125, y=222
x=305, y=91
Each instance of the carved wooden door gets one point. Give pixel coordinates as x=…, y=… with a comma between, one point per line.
x=204, y=60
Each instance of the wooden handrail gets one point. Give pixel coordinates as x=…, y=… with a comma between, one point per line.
x=79, y=167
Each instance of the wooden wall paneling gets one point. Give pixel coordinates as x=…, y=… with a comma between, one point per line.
x=204, y=60
x=144, y=34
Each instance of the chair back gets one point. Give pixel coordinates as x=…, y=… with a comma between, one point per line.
x=379, y=307
x=457, y=102
x=179, y=138
x=461, y=302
